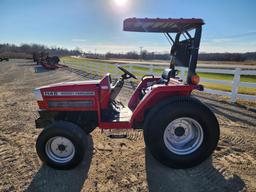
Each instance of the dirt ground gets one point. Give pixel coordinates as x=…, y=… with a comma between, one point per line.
x=119, y=164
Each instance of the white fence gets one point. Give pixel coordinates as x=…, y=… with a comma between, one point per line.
x=142, y=69
x=234, y=84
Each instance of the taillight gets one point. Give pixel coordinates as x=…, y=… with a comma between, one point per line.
x=195, y=79
x=38, y=95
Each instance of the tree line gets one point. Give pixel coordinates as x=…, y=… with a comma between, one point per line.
x=202, y=56
x=250, y=56
x=144, y=55
x=26, y=51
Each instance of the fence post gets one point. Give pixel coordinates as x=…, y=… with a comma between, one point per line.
x=182, y=73
x=116, y=71
x=105, y=68
x=98, y=71
x=86, y=67
x=235, y=85
x=151, y=69
x=90, y=68
x=130, y=67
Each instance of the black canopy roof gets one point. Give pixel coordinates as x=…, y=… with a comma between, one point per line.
x=161, y=25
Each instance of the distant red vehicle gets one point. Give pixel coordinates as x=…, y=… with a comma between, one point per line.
x=46, y=61
x=179, y=130
x=51, y=62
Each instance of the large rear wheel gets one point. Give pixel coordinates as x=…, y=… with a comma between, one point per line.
x=61, y=145
x=181, y=132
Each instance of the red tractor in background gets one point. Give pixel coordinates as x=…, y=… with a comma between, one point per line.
x=46, y=61
x=179, y=130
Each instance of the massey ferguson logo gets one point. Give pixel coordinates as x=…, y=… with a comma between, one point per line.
x=69, y=93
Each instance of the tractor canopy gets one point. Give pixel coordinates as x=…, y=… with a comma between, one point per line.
x=161, y=25
x=184, y=43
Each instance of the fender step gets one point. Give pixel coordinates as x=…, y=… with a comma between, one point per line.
x=117, y=136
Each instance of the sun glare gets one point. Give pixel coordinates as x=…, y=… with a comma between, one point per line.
x=121, y=3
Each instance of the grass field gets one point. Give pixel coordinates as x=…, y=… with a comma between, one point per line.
x=161, y=61
x=79, y=63
x=228, y=62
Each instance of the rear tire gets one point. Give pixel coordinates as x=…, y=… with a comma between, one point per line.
x=181, y=132
x=61, y=145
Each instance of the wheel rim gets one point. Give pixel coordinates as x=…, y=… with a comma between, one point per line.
x=183, y=136
x=60, y=149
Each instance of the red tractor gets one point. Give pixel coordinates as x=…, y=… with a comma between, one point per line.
x=179, y=130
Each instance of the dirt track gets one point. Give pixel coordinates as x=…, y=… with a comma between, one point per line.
x=115, y=165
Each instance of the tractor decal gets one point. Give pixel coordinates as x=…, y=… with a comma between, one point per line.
x=69, y=93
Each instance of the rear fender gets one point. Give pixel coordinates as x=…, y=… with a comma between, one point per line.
x=135, y=99
x=155, y=96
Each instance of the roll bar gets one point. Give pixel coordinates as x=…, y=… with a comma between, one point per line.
x=184, y=52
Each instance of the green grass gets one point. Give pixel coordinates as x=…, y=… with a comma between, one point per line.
x=80, y=63
x=227, y=77
x=242, y=90
x=72, y=59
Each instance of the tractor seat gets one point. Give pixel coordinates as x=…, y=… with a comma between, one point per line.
x=165, y=76
x=162, y=81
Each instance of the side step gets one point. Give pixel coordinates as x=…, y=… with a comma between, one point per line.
x=117, y=136
x=124, y=134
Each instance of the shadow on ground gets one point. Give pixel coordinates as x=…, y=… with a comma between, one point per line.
x=204, y=177
x=28, y=64
x=233, y=112
x=48, y=179
x=40, y=69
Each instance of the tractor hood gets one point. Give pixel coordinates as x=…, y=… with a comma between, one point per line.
x=68, y=96
x=74, y=96
x=71, y=83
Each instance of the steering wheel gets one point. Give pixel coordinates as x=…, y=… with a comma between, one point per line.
x=127, y=73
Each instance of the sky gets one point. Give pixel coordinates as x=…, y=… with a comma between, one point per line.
x=96, y=25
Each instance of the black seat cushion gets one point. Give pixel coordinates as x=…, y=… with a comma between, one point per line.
x=163, y=80
x=165, y=76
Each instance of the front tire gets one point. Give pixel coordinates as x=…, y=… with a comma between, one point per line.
x=61, y=145
x=181, y=132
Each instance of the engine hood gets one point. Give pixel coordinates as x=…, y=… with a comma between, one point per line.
x=71, y=83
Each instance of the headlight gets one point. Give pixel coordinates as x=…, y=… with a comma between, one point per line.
x=38, y=95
